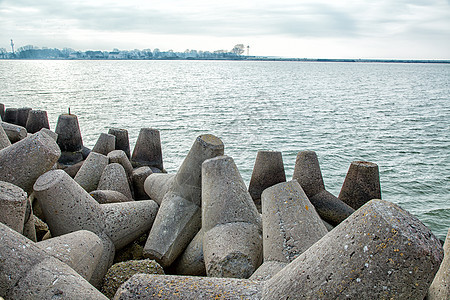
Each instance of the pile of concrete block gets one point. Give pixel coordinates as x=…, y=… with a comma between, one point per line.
x=215, y=237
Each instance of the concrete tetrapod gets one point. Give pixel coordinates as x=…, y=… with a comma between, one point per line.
x=440, y=287
x=147, y=151
x=290, y=225
x=307, y=173
x=11, y=115
x=88, y=176
x=191, y=261
x=267, y=171
x=114, y=178
x=13, y=206
x=232, y=244
x=4, y=140
x=361, y=184
x=179, y=216
x=122, y=141
x=29, y=272
x=37, y=119
x=26, y=160
x=138, y=177
x=68, y=207
x=379, y=252
x=105, y=144
x=15, y=133
x=2, y=111
x=156, y=185
x=22, y=116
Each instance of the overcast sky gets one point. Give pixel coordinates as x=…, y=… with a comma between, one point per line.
x=409, y=29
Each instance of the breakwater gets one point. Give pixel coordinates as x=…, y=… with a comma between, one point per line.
x=201, y=220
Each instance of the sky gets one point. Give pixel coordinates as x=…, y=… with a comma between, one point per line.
x=384, y=29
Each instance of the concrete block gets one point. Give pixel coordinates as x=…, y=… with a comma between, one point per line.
x=307, y=173
x=15, y=133
x=4, y=140
x=50, y=133
x=37, y=120
x=24, y=161
x=267, y=171
x=147, y=151
x=156, y=185
x=138, y=177
x=114, y=178
x=149, y=286
x=69, y=134
x=2, y=111
x=119, y=156
x=28, y=272
x=179, y=216
x=440, y=287
x=11, y=115
x=379, y=252
x=13, y=205
x=361, y=184
x=191, y=261
x=90, y=172
x=105, y=144
x=107, y=196
x=22, y=116
x=122, y=141
x=267, y=270
x=232, y=245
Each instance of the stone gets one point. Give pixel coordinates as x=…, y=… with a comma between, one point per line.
x=267, y=171
x=232, y=245
x=11, y=115
x=105, y=144
x=122, y=141
x=156, y=185
x=28, y=272
x=179, y=216
x=379, y=252
x=114, y=178
x=22, y=116
x=4, y=140
x=147, y=151
x=15, y=133
x=13, y=205
x=36, y=121
x=108, y=196
x=361, y=184
x=307, y=173
x=440, y=287
x=69, y=134
x=90, y=172
x=121, y=272
x=26, y=160
x=138, y=177
x=41, y=228
x=191, y=261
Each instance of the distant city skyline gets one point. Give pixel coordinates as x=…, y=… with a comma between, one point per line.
x=402, y=29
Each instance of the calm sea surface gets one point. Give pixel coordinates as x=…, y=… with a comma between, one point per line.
x=396, y=115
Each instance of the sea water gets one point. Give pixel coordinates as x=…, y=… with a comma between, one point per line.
x=395, y=115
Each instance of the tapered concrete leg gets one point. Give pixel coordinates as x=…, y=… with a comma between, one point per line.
x=114, y=178
x=267, y=171
x=2, y=111
x=122, y=141
x=22, y=116
x=4, y=140
x=361, y=184
x=37, y=119
x=28, y=272
x=139, y=176
x=88, y=176
x=11, y=115
x=147, y=151
x=105, y=144
x=232, y=244
x=108, y=196
x=307, y=173
x=186, y=287
x=191, y=262
x=157, y=185
x=440, y=287
x=267, y=270
x=25, y=161
x=69, y=134
x=13, y=205
x=378, y=252
x=15, y=133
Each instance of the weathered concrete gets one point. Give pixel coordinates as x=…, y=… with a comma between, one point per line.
x=22, y=116
x=37, y=119
x=232, y=245
x=69, y=134
x=147, y=151
x=2, y=111
x=179, y=216
x=68, y=207
x=13, y=205
x=138, y=177
x=157, y=185
x=28, y=272
x=307, y=173
x=379, y=252
x=15, y=133
x=114, y=178
x=50, y=133
x=107, y=196
x=90, y=172
x=29, y=228
x=191, y=261
x=267, y=171
x=361, y=184
x=267, y=270
x=121, y=272
x=105, y=144
x=4, y=140
x=186, y=287
x=440, y=287
x=120, y=157
x=24, y=161
x=122, y=141
x=11, y=115
x=81, y=250
x=72, y=170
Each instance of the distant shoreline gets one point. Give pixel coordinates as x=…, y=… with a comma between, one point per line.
x=263, y=58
